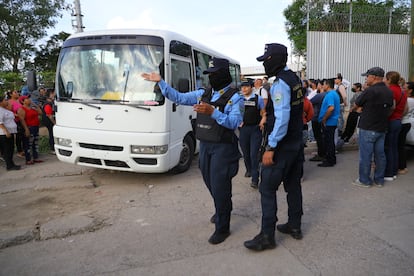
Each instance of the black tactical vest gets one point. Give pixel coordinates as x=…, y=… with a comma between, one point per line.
x=293, y=137
x=207, y=129
x=270, y=113
x=251, y=112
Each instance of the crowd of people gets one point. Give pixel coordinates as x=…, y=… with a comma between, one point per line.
x=370, y=111
x=273, y=122
x=21, y=117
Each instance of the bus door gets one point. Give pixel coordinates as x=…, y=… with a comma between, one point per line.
x=180, y=116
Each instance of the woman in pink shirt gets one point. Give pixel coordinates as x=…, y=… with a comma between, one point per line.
x=22, y=129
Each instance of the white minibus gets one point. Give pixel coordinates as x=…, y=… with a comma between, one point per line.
x=109, y=117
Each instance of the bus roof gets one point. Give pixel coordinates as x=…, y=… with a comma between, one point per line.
x=167, y=35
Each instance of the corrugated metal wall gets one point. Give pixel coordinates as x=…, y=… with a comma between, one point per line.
x=351, y=54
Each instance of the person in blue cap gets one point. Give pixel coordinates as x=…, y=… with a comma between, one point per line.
x=283, y=159
x=219, y=112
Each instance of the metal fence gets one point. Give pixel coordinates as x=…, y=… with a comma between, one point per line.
x=351, y=16
x=351, y=54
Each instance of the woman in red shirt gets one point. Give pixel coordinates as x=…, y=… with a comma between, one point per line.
x=307, y=116
x=48, y=117
x=31, y=117
x=392, y=79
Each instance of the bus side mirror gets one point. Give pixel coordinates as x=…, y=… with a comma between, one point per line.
x=69, y=88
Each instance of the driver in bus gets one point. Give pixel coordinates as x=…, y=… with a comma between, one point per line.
x=219, y=112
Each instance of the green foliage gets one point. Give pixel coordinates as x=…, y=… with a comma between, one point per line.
x=46, y=59
x=296, y=25
x=10, y=81
x=47, y=55
x=22, y=24
x=44, y=144
x=367, y=16
x=47, y=78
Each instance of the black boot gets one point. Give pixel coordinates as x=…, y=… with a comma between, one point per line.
x=218, y=237
x=213, y=218
x=296, y=233
x=261, y=242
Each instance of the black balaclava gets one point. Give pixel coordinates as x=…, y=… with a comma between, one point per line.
x=274, y=64
x=220, y=79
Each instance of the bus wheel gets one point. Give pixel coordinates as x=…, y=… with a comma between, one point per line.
x=186, y=156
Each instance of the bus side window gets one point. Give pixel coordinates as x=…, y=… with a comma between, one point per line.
x=183, y=85
x=235, y=75
x=180, y=75
x=201, y=62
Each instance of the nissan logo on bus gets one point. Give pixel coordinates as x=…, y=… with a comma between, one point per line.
x=99, y=119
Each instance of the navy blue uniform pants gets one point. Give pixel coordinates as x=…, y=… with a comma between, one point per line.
x=287, y=168
x=219, y=163
x=250, y=141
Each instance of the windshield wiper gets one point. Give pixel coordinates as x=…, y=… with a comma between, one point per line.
x=137, y=106
x=126, y=75
x=91, y=105
x=84, y=103
x=123, y=102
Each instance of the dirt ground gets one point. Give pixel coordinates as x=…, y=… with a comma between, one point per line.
x=51, y=191
x=46, y=191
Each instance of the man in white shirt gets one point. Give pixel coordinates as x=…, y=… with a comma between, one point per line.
x=258, y=89
x=313, y=89
x=340, y=87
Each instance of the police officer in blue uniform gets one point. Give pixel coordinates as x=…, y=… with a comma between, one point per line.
x=284, y=156
x=219, y=112
x=254, y=120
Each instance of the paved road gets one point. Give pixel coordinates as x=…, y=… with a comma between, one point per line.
x=94, y=222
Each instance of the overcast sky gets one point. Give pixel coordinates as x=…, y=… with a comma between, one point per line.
x=231, y=27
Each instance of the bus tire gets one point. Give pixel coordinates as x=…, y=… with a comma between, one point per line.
x=186, y=156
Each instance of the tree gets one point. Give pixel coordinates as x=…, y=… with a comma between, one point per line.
x=47, y=55
x=10, y=81
x=22, y=24
x=296, y=25
x=367, y=16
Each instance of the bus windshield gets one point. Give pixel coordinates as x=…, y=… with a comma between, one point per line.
x=110, y=73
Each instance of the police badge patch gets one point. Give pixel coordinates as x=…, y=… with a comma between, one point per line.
x=277, y=99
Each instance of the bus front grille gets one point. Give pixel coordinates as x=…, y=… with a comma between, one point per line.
x=108, y=163
x=116, y=163
x=101, y=147
x=90, y=160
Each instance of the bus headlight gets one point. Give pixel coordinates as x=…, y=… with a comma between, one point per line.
x=149, y=149
x=63, y=142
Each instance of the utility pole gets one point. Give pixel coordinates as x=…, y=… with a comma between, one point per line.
x=77, y=17
x=350, y=17
x=411, y=47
